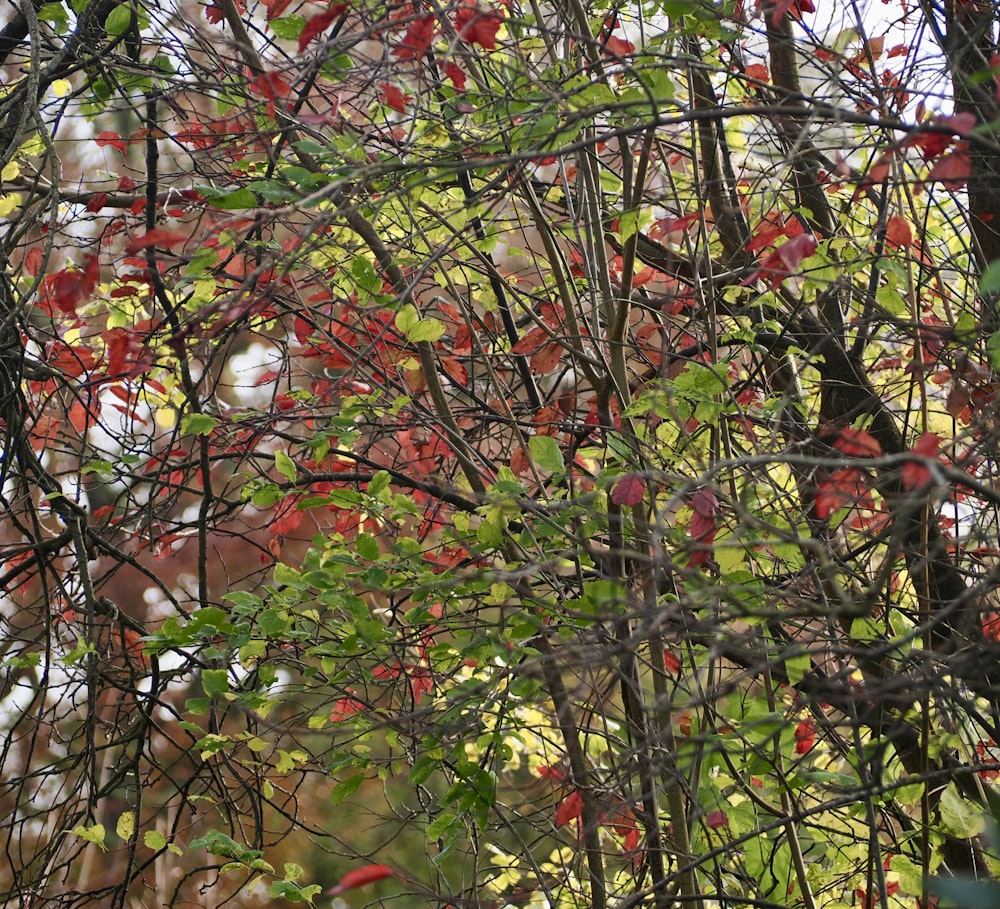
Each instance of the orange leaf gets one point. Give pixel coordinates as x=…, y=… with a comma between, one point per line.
x=897, y=231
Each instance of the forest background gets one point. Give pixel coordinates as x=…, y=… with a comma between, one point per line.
x=500, y=454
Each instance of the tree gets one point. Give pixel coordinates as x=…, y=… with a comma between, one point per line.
x=498, y=454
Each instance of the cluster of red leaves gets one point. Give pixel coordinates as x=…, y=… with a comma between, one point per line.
x=795, y=8
x=539, y=344
x=783, y=260
x=986, y=752
x=272, y=87
x=932, y=140
x=346, y=707
x=866, y=901
x=418, y=675
x=476, y=25
x=847, y=487
x=622, y=821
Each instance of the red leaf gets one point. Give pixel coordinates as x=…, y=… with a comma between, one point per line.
x=550, y=773
x=618, y=47
x=155, y=237
x=275, y=7
x=344, y=708
x=359, y=877
x=805, y=737
x=716, y=819
x=315, y=27
x=70, y=287
x=110, y=138
x=124, y=353
x=785, y=260
x=79, y=416
x=477, y=26
x=629, y=490
x=33, y=261
x=962, y=124
x=570, y=808
x=417, y=40
x=795, y=7
x=915, y=475
x=546, y=358
x=795, y=250
x=272, y=87
x=758, y=71
x=394, y=97
x=671, y=663
x=952, y=170
x=846, y=487
x=897, y=231
x=456, y=74
x=96, y=202
x=703, y=527
x=287, y=516
x=857, y=443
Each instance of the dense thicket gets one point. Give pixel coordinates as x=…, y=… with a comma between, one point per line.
x=487, y=455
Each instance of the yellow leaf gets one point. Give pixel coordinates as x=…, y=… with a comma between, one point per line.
x=125, y=826
x=61, y=88
x=11, y=171
x=166, y=417
x=9, y=203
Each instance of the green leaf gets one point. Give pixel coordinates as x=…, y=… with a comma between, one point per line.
x=364, y=273
x=797, y=667
x=960, y=817
x=285, y=466
x=628, y=223
x=219, y=844
x=198, y=424
x=346, y=788
x=93, y=834
x=989, y=283
x=119, y=20
x=993, y=349
x=153, y=839
x=546, y=454
x=289, y=890
x=215, y=682
x=54, y=13
x=367, y=546
x=439, y=826
x=415, y=329
x=240, y=198
x=288, y=27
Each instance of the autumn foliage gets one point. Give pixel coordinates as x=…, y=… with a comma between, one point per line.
x=498, y=455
